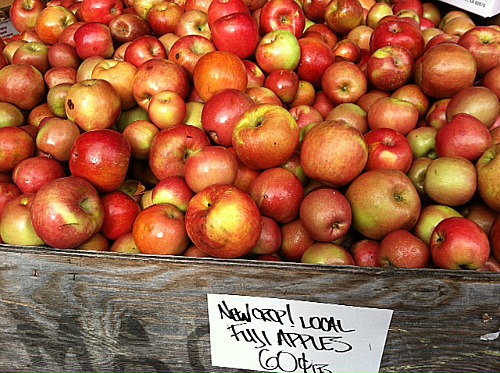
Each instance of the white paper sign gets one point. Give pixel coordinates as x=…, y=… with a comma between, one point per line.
x=278, y=335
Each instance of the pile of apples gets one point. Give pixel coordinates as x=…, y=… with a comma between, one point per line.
x=339, y=132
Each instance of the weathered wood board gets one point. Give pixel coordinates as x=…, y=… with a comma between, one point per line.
x=82, y=311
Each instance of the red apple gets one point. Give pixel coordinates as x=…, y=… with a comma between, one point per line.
x=295, y=239
x=210, y=165
x=382, y=201
x=67, y=212
x=315, y=58
x=220, y=8
x=478, y=101
x=93, y=39
x=414, y=94
x=33, y=53
x=16, y=145
x=143, y=49
x=127, y=27
x=120, y=212
x=326, y=214
x=11, y=115
x=388, y=148
x=352, y=114
x=282, y=14
x=436, y=64
x=459, y=243
x=484, y=44
x=93, y=104
x=401, y=249
x=23, y=13
x=15, y=223
x=164, y=16
x=32, y=173
x=451, y=181
x=173, y=190
x=160, y=229
x=343, y=15
x=285, y=83
x=125, y=244
x=270, y=238
x=279, y=49
x=326, y=253
x=344, y=82
x=263, y=95
x=388, y=112
x=481, y=214
x=102, y=11
x=365, y=253
x=8, y=191
x=463, y=136
x=488, y=176
x=255, y=74
x=490, y=80
x=265, y=136
x=221, y=113
x=56, y=138
x=193, y=22
x=223, y=221
x=494, y=236
x=51, y=22
x=334, y=153
x=278, y=194
x=172, y=147
x=188, y=49
x=430, y=216
x=102, y=157
x=389, y=67
x=16, y=80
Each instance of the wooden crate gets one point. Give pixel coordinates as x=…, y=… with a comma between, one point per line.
x=83, y=311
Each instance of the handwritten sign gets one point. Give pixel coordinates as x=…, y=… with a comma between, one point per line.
x=278, y=335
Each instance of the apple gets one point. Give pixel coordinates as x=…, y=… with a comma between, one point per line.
x=278, y=194
x=265, y=136
x=33, y=53
x=96, y=243
x=15, y=223
x=334, y=153
x=269, y=240
x=347, y=50
x=457, y=25
x=314, y=10
x=344, y=82
x=282, y=15
x=120, y=212
x=18, y=79
x=56, y=138
x=194, y=22
x=93, y=104
x=327, y=253
x=23, y=13
x=480, y=213
x=365, y=253
x=491, y=265
x=85, y=69
x=8, y=191
x=127, y=27
x=245, y=174
x=188, y=49
x=119, y=74
x=323, y=32
x=223, y=221
x=102, y=11
x=142, y=7
x=414, y=94
x=157, y=75
x=305, y=116
x=376, y=12
x=402, y=249
x=326, y=214
x=436, y=64
x=51, y=22
x=436, y=115
x=430, y=216
x=388, y=148
x=487, y=176
x=390, y=67
x=213, y=164
x=423, y=142
x=278, y=49
x=388, y=112
x=164, y=16
x=284, y=83
x=140, y=135
x=432, y=12
x=459, y=243
x=255, y=74
x=93, y=39
x=394, y=30
x=263, y=95
x=173, y=190
x=101, y=157
x=220, y=8
x=125, y=244
x=160, y=229
x=62, y=54
x=11, y=115
x=172, y=147
x=16, y=145
x=441, y=38
x=67, y=212
x=143, y=49
x=38, y=114
x=494, y=236
x=372, y=95
x=221, y=112
x=361, y=35
x=219, y=70
x=305, y=95
x=34, y=172
x=484, y=44
x=451, y=180
x=295, y=239
x=382, y=201
x=343, y=15
x=314, y=59
x=194, y=110
x=478, y=101
x=237, y=33
x=490, y=80
x=56, y=98
x=463, y=136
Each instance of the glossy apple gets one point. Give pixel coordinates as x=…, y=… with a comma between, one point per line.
x=143, y=49
x=194, y=22
x=478, y=101
x=102, y=11
x=270, y=238
x=56, y=137
x=51, y=22
x=344, y=82
x=11, y=115
x=93, y=39
x=160, y=229
x=430, y=216
x=459, y=243
x=223, y=221
x=480, y=213
x=399, y=115
x=265, y=136
x=334, y=153
x=326, y=253
x=278, y=49
x=402, y=249
x=365, y=253
x=220, y=8
x=16, y=145
x=16, y=80
x=284, y=15
x=389, y=67
x=315, y=58
x=382, y=201
x=173, y=190
x=67, y=212
x=140, y=135
x=188, y=49
x=423, y=141
x=101, y=157
x=487, y=174
x=352, y=114
x=388, y=148
x=164, y=16
x=127, y=27
x=343, y=15
x=32, y=173
x=120, y=212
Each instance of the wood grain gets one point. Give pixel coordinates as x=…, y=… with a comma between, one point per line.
x=82, y=311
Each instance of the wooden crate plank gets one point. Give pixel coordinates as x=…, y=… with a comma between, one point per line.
x=81, y=311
